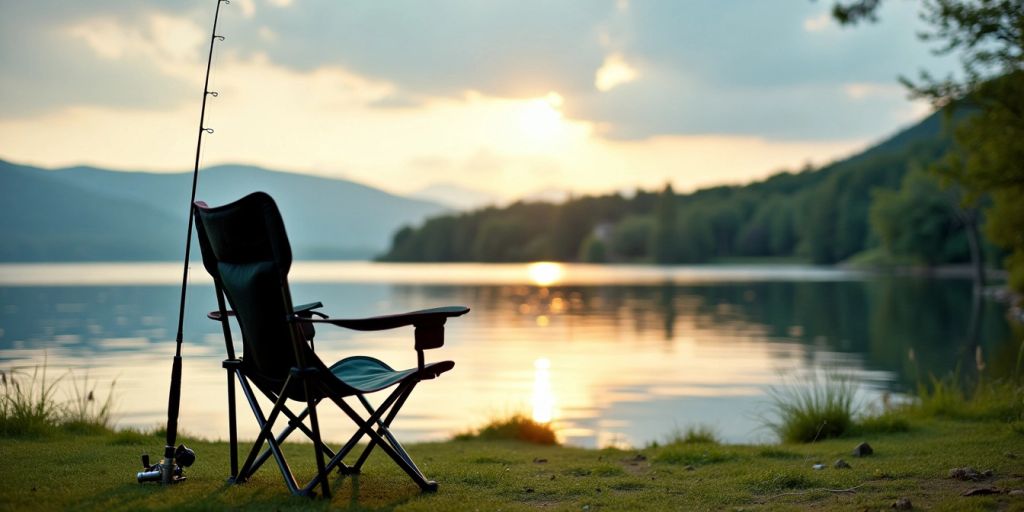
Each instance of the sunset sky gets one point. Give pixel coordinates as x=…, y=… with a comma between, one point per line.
x=514, y=98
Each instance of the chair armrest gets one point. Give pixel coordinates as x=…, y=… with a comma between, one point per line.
x=424, y=318
x=304, y=308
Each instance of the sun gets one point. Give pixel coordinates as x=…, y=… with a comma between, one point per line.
x=545, y=273
x=540, y=118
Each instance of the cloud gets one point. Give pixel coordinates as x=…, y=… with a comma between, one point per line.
x=53, y=56
x=818, y=23
x=738, y=68
x=267, y=34
x=867, y=90
x=613, y=72
x=168, y=41
x=248, y=7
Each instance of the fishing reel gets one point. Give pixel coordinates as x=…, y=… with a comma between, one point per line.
x=167, y=471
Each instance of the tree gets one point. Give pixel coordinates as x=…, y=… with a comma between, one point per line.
x=915, y=221
x=631, y=238
x=664, y=242
x=988, y=37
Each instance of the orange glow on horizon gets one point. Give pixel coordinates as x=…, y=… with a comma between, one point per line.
x=545, y=273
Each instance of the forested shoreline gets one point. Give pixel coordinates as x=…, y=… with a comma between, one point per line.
x=879, y=205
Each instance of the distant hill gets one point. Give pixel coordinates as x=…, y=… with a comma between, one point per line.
x=85, y=213
x=458, y=196
x=819, y=215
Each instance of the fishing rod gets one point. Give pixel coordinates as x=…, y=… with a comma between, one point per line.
x=171, y=468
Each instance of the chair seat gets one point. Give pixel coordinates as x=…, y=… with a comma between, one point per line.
x=367, y=374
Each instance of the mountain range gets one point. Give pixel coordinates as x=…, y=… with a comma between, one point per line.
x=91, y=214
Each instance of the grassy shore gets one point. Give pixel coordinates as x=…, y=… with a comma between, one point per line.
x=96, y=471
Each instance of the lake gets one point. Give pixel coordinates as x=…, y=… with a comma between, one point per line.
x=613, y=355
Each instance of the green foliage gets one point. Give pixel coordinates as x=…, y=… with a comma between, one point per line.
x=517, y=427
x=593, y=250
x=813, y=409
x=1005, y=227
x=917, y=220
x=987, y=36
x=816, y=214
x=631, y=238
x=664, y=243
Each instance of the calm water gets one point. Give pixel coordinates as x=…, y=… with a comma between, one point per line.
x=613, y=355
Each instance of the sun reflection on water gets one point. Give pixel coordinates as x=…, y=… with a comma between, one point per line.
x=543, y=397
x=545, y=273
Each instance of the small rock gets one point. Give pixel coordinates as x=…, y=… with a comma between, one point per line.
x=902, y=504
x=689, y=468
x=863, y=450
x=540, y=461
x=818, y=467
x=969, y=474
x=841, y=464
x=980, y=491
x=1017, y=492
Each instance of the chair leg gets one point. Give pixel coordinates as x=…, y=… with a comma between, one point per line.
x=294, y=423
x=366, y=427
x=325, y=487
x=384, y=426
x=351, y=443
x=265, y=427
x=232, y=425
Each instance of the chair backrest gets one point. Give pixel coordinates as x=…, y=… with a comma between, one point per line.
x=245, y=249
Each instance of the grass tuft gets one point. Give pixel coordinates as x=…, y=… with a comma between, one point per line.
x=29, y=406
x=84, y=413
x=518, y=426
x=693, y=434
x=814, y=409
x=889, y=421
x=694, y=455
x=994, y=400
x=781, y=481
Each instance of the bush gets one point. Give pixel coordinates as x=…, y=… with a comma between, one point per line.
x=518, y=426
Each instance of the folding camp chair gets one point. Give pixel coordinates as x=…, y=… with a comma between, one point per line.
x=245, y=249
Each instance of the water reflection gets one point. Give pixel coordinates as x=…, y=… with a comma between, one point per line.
x=543, y=397
x=612, y=363
x=545, y=273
